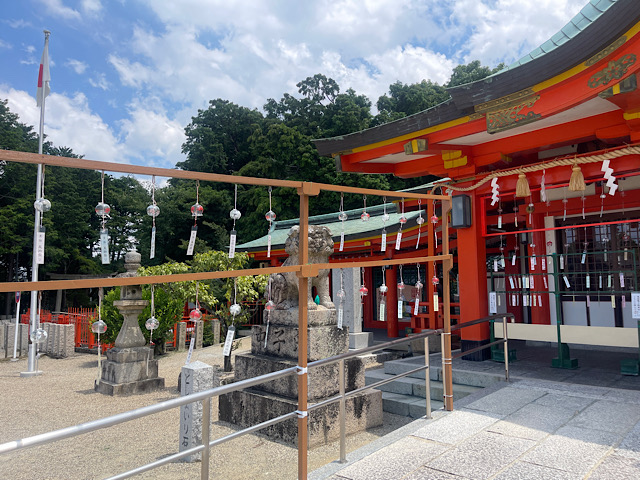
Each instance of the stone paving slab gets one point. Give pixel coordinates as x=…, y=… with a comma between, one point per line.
x=530, y=471
x=426, y=473
x=505, y=401
x=481, y=456
x=395, y=461
x=459, y=427
x=630, y=445
x=566, y=402
x=607, y=416
x=574, y=450
x=615, y=468
x=533, y=421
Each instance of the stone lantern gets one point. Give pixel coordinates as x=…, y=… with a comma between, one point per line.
x=130, y=367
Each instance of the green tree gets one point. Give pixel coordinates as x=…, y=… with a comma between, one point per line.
x=471, y=72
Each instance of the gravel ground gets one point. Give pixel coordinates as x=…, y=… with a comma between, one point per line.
x=63, y=396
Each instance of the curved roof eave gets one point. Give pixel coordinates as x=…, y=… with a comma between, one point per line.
x=607, y=20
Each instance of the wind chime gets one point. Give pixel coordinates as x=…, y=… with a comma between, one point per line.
x=103, y=210
x=152, y=322
x=416, y=307
x=402, y=220
x=385, y=219
x=153, y=211
x=234, y=214
x=434, y=221
x=341, y=296
x=342, y=216
x=235, y=308
x=420, y=221
x=364, y=216
x=196, y=314
x=99, y=327
x=435, y=281
x=270, y=217
x=401, y=298
x=42, y=205
x=269, y=307
x=383, y=296
x=363, y=293
x=197, y=210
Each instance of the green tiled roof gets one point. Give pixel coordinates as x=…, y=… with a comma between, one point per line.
x=354, y=227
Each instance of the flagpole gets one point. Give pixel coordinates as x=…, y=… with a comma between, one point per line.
x=35, y=317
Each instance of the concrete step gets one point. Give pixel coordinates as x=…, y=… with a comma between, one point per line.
x=476, y=377
x=416, y=387
x=407, y=405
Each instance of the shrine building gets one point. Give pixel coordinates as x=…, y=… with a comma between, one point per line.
x=542, y=160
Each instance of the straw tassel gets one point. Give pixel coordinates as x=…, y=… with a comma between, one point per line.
x=576, y=183
x=522, y=187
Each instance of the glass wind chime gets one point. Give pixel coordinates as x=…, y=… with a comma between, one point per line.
x=197, y=210
x=153, y=211
x=269, y=307
x=364, y=216
x=401, y=298
x=103, y=210
x=420, y=221
x=235, y=308
x=363, y=293
x=383, y=298
x=196, y=314
x=234, y=214
x=385, y=219
x=270, y=216
x=152, y=322
x=434, y=221
x=402, y=220
x=416, y=306
x=42, y=205
x=341, y=297
x=99, y=327
x=342, y=216
x=435, y=281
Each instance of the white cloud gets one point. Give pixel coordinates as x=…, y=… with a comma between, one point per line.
x=99, y=81
x=152, y=137
x=509, y=29
x=68, y=122
x=91, y=7
x=57, y=9
x=4, y=44
x=78, y=66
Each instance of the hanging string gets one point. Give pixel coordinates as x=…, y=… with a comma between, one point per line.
x=195, y=217
x=197, y=303
x=153, y=305
x=153, y=199
x=102, y=198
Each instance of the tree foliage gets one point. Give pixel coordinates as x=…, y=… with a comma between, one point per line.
x=225, y=138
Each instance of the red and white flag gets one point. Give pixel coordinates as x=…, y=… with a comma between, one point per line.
x=43, y=74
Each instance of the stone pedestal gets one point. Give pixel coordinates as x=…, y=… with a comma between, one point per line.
x=130, y=367
x=129, y=371
x=254, y=405
x=195, y=377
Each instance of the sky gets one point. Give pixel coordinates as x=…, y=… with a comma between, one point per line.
x=127, y=76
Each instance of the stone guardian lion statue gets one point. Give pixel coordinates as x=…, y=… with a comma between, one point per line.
x=284, y=286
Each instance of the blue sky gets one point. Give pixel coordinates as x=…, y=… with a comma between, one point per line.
x=128, y=75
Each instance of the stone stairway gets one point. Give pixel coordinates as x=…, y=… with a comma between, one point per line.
x=406, y=396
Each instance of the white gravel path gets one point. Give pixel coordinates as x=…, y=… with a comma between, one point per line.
x=64, y=396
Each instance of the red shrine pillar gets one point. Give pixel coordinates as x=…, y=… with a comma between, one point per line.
x=539, y=313
x=390, y=278
x=472, y=283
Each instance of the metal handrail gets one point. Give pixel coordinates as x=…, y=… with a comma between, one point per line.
x=206, y=395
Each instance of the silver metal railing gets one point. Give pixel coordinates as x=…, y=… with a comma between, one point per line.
x=205, y=398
